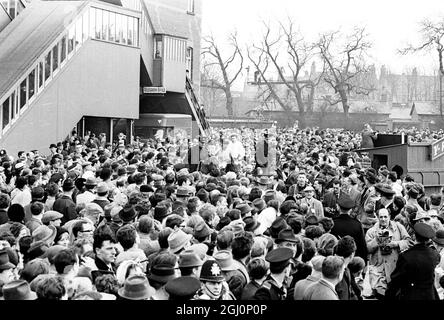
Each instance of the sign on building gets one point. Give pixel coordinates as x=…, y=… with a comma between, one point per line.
x=437, y=149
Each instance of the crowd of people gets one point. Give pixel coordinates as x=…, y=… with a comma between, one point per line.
x=277, y=214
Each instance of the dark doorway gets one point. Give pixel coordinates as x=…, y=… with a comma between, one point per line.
x=379, y=160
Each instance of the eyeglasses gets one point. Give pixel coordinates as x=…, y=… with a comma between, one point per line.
x=85, y=231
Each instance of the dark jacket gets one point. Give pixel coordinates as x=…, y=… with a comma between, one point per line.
x=270, y=291
x=368, y=138
x=3, y=216
x=67, y=207
x=347, y=289
x=414, y=275
x=103, y=267
x=250, y=290
x=344, y=225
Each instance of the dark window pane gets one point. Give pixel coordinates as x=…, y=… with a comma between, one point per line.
x=41, y=74
x=63, y=49
x=23, y=90
x=47, y=65
x=55, y=57
x=31, y=84
x=5, y=109
x=13, y=101
x=71, y=35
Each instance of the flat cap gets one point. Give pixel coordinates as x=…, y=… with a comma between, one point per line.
x=345, y=202
x=183, y=287
x=51, y=216
x=424, y=230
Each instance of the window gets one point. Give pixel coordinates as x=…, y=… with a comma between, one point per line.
x=13, y=105
x=136, y=32
x=6, y=113
x=63, y=49
x=112, y=27
x=85, y=26
x=41, y=74
x=158, y=48
x=92, y=23
x=71, y=39
x=190, y=62
x=47, y=66
x=79, y=35
x=124, y=38
x=98, y=24
x=55, y=57
x=118, y=28
x=130, y=31
x=190, y=6
x=105, y=25
x=12, y=8
x=23, y=90
x=31, y=84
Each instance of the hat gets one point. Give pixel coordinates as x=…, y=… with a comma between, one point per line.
x=345, y=202
x=211, y=271
x=210, y=187
x=200, y=249
x=182, y=288
x=183, y=192
x=244, y=208
x=269, y=195
x=4, y=260
x=136, y=287
x=188, y=259
x=127, y=214
x=102, y=187
x=439, y=237
x=160, y=212
x=259, y=205
x=68, y=184
x=251, y=224
x=201, y=230
x=280, y=256
x=51, y=216
x=424, y=230
x=225, y=260
x=90, y=181
x=18, y=290
x=131, y=169
x=146, y=188
x=177, y=240
x=420, y=215
x=263, y=180
x=44, y=234
x=162, y=273
x=384, y=189
x=309, y=188
x=287, y=235
x=277, y=225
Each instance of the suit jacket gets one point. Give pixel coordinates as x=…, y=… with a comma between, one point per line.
x=320, y=290
x=270, y=290
x=414, y=274
x=66, y=206
x=344, y=225
x=315, y=205
x=330, y=201
x=302, y=285
x=355, y=195
x=250, y=290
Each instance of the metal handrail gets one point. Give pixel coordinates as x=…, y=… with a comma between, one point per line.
x=203, y=120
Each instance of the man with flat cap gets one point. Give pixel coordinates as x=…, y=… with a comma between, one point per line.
x=275, y=285
x=414, y=274
x=345, y=225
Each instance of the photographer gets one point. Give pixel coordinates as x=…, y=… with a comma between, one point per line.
x=385, y=240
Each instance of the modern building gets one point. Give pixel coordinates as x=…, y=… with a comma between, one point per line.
x=97, y=66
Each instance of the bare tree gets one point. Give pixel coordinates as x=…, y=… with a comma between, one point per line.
x=288, y=51
x=432, y=39
x=344, y=60
x=226, y=66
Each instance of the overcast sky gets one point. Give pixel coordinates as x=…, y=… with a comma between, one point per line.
x=391, y=23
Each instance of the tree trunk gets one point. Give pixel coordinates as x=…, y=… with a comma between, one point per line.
x=301, y=108
x=344, y=100
x=229, y=104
